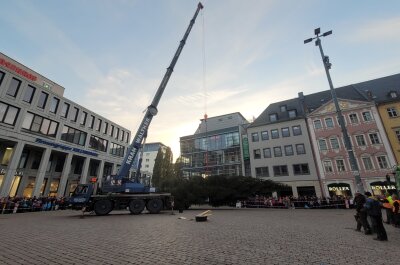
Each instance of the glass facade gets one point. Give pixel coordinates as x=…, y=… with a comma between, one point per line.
x=217, y=154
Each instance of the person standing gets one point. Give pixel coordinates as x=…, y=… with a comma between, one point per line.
x=361, y=214
x=374, y=210
x=389, y=212
x=396, y=210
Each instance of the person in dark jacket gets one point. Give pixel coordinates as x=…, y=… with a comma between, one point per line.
x=361, y=214
x=374, y=210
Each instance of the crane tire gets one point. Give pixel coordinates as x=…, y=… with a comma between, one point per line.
x=154, y=205
x=103, y=207
x=136, y=206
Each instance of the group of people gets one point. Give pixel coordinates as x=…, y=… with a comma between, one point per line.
x=34, y=204
x=306, y=202
x=370, y=207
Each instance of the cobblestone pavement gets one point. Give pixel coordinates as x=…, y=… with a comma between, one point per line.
x=234, y=236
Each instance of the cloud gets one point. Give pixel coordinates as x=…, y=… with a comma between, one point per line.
x=381, y=30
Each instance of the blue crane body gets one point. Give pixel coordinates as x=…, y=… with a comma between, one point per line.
x=119, y=191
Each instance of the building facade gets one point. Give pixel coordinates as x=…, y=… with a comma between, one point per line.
x=49, y=144
x=280, y=149
x=150, y=151
x=215, y=148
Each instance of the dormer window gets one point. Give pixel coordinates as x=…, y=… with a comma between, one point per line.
x=393, y=94
x=292, y=113
x=273, y=117
x=283, y=108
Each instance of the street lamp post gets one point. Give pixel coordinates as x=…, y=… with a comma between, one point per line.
x=349, y=148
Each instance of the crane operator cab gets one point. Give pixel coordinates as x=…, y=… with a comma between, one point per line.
x=81, y=195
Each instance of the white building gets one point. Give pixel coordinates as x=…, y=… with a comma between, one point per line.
x=49, y=144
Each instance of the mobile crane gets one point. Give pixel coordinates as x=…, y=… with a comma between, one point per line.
x=119, y=191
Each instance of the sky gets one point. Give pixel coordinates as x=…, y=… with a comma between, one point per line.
x=241, y=56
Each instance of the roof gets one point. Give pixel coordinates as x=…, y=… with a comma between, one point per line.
x=221, y=122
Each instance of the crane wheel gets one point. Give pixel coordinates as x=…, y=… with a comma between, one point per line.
x=103, y=207
x=136, y=206
x=154, y=205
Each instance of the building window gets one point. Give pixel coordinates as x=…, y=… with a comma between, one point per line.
x=367, y=163
x=328, y=166
x=72, y=135
x=98, y=143
x=39, y=124
x=262, y=172
x=127, y=137
x=322, y=144
x=64, y=110
x=340, y=165
x=275, y=134
x=397, y=132
x=382, y=162
x=98, y=125
x=360, y=140
x=393, y=94
x=280, y=171
x=334, y=143
x=296, y=130
x=116, y=135
x=54, y=105
x=392, y=112
x=301, y=169
x=285, y=132
x=273, y=117
x=13, y=87
x=42, y=100
x=91, y=121
x=116, y=149
x=267, y=152
x=277, y=151
x=292, y=113
x=122, y=136
x=29, y=93
x=74, y=114
x=264, y=135
x=1, y=77
x=254, y=137
x=112, y=130
x=353, y=118
x=317, y=124
x=300, y=149
x=374, y=138
x=83, y=118
x=8, y=114
x=288, y=150
x=257, y=154
x=329, y=122
x=105, y=127
x=283, y=108
x=367, y=116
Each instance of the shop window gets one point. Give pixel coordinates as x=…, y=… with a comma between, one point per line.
x=78, y=166
x=14, y=186
x=59, y=164
x=36, y=160
x=24, y=159
x=29, y=93
x=339, y=189
x=306, y=191
x=28, y=190
x=13, y=87
x=7, y=156
x=54, y=187
x=42, y=100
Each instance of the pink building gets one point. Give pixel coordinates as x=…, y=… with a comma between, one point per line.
x=371, y=146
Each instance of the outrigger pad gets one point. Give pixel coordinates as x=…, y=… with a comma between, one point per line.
x=203, y=216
